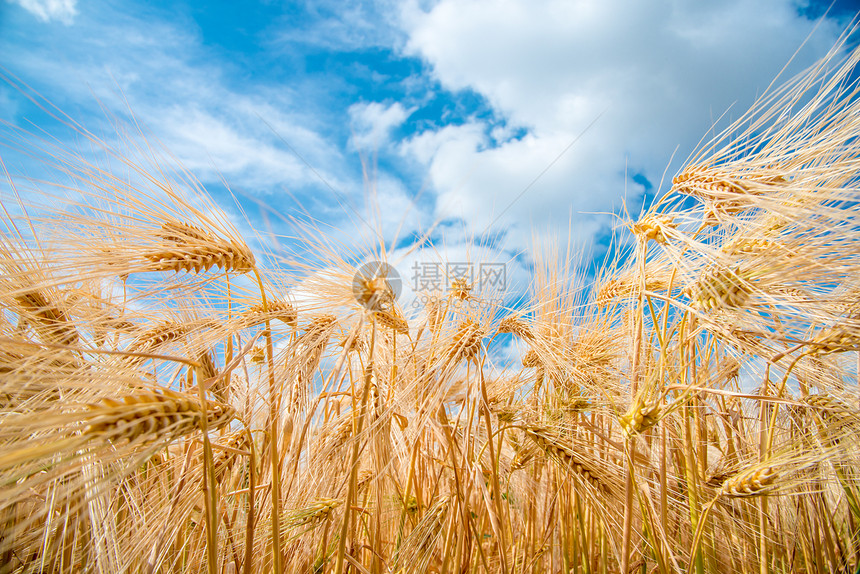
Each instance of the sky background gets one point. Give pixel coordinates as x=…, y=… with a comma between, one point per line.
x=501, y=120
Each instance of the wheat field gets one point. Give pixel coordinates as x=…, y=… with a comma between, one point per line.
x=169, y=404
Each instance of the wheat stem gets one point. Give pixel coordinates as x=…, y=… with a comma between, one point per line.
x=251, y=517
x=358, y=421
x=274, y=428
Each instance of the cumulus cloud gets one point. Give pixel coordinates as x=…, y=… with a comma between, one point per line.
x=372, y=123
x=210, y=144
x=160, y=73
x=628, y=82
x=47, y=10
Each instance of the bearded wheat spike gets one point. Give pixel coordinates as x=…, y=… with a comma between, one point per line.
x=358, y=344
x=207, y=367
x=833, y=407
x=696, y=179
x=373, y=290
x=283, y=311
x=641, y=416
x=316, y=512
x=182, y=233
x=839, y=418
x=723, y=192
x=749, y=246
x=506, y=413
x=364, y=479
x=258, y=355
x=103, y=325
x=417, y=547
x=207, y=371
x=312, y=342
x=699, y=183
x=151, y=416
x=336, y=436
x=594, y=348
x=574, y=404
x=516, y=326
x=625, y=286
x=522, y=458
x=223, y=458
x=652, y=227
x=191, y=249
x=611, y=289
x=28, y=374
x=847, y=305
x=749, y=483
x=318, y=328
x=48, y=319
x=460, y=289
x=161, y=334
x=467, y=341
x=392, y=321
x=532, y=359
x=837, y=339
x=719, y=289
x=554, y=446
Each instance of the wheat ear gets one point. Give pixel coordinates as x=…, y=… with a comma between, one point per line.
x=191, y=249
x=150, y=416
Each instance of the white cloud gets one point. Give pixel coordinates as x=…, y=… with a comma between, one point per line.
x=372, y=123
x=339, y=26
x=47, y=10
x=652, y=76
x=207, y=143
x=160, y=73
x=391, y=209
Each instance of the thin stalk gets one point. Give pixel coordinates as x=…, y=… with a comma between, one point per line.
x=274, y=427
x=690, y=458
x=495, y=470
x=353, y=473
x=209, y=486
x=249, y=527
x=764, y=442
x=629, y=442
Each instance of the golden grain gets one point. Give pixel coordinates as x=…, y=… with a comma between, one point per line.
x=191, y=249
x=753, y=482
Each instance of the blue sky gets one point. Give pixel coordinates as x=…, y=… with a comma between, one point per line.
x=507, y=119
